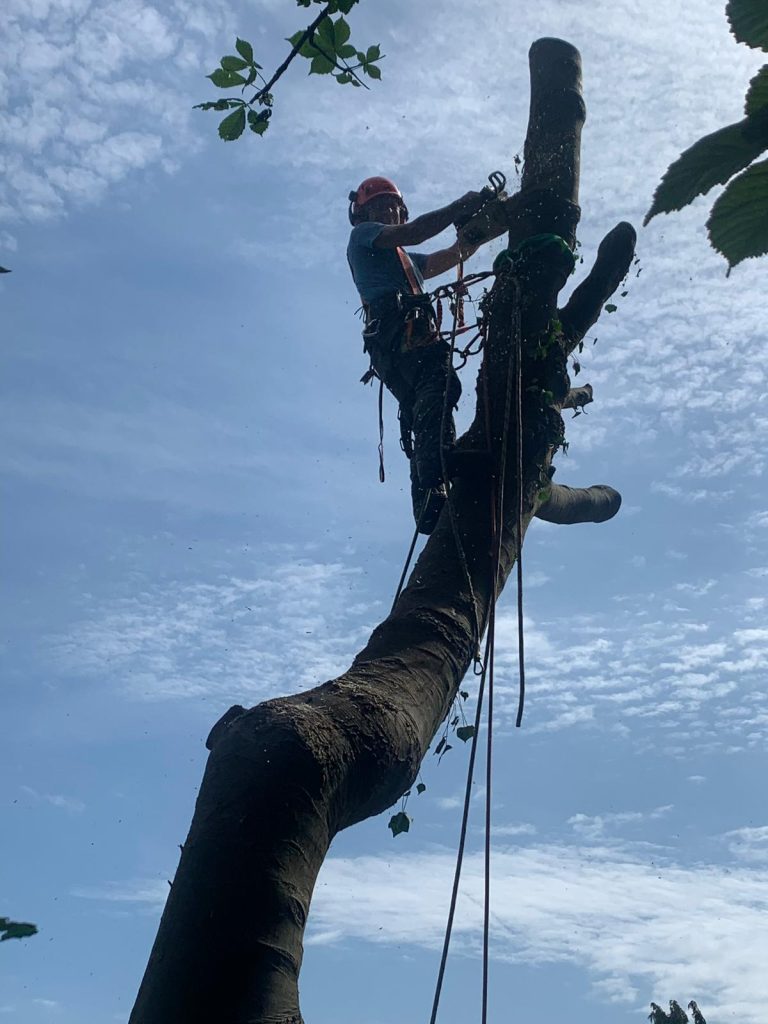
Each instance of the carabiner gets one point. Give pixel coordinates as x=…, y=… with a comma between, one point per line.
x=498, y=182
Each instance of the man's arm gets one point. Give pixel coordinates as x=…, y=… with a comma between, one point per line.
x=437, y=263
x=429, y=224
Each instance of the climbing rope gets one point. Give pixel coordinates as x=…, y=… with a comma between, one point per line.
x=477, y=629
x=513, y=384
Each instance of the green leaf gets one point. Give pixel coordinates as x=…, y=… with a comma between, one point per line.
x=245, y=50
x=420, y=788
x=346, y=51
x=325, y=35
x=259, y=122
x=372, y=70
x=399, y=822
x=4, y=270
x=757, y=94
x=738, y=224
x=610, y=307
x=15, y=929
x=749, y=22
x=233, y=125
x=306, y=49
x=440, y=745
x=320, y=65
x=463, y=694
x=343, y=79
x=373, y=52
x=465, y=732
x=341, y=32
x=345, y=6
x=710, y=161
x=216, y=105
x=226, y=79
x=232, y=63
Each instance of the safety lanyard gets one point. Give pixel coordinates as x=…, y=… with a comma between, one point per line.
x=410, y=273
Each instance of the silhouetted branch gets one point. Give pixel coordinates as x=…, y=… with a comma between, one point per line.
x=568, y=505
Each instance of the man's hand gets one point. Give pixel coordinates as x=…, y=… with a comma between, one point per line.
x=468, y=205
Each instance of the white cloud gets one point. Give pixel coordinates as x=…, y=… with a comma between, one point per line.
x=641, y=928
x=238, y=638
x=596, y=826
x=94, y=92
x=749, y=844
x=65, y=803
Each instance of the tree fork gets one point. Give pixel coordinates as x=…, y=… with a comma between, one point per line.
x=284, y=777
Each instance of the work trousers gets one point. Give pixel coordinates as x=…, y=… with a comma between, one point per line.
x=419, y=378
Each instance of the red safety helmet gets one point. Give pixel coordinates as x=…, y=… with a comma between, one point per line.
x=370, y=189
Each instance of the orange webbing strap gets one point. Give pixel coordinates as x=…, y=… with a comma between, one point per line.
x=410, y=273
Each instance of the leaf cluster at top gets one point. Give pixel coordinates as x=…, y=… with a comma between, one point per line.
x=325, y=43
x=738, y=223
x=328, y=49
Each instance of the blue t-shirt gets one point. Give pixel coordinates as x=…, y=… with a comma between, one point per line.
x=378, y=272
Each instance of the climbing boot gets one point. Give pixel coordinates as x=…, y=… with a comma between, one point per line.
x=431, y=509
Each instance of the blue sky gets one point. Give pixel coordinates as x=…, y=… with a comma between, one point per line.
x=193, y=517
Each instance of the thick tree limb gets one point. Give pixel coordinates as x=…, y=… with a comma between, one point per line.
x=568, y=505
x=283, y=778
x=614, y=257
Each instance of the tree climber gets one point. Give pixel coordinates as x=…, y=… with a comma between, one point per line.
x=401, y=333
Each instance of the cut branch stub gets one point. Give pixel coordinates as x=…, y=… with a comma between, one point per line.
x=568, y=505
x=577, y=398
x=611, y=266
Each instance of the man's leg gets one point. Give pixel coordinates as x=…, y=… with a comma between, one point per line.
x=430, y=376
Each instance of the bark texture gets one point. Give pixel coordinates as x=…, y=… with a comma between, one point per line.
x=284, y=777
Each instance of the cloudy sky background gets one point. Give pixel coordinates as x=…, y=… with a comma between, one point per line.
x=193, y=516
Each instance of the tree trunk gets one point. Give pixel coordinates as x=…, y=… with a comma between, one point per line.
x=284, y=777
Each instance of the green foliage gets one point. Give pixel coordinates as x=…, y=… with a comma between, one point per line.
x=465, y=732
x=345, y=6
x=245, y=50
x=15, y=929
x=224, y=78
x=749, y=22
x=710, y=161
x=399, y=822
x=324, y=43
x=4, y=270
x=757, y=94
x=676, y=1015
x=737, y=225
x=233, y=125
